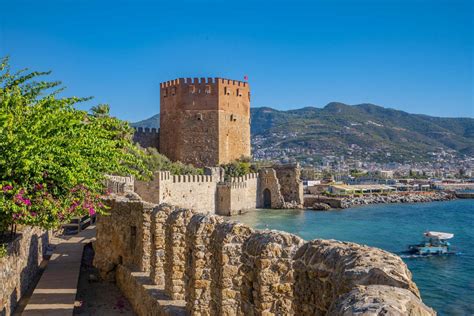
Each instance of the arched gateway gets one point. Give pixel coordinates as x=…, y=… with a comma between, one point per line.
x=267, y=198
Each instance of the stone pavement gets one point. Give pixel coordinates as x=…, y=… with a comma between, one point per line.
x=55, y=293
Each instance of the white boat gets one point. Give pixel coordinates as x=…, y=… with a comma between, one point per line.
x=435, y=243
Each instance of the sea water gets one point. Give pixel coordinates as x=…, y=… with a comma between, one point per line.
x=446, y=283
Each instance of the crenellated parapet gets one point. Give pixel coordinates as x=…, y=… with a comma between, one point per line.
x=183, y=82
x=147, y=137
x=119, y=184
x=204, y=265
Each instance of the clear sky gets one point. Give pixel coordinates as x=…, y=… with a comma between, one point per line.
x=412, y=55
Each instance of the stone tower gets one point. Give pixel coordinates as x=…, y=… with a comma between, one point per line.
x=205, y=122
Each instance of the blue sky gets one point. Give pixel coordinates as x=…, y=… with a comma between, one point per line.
x=412, y=55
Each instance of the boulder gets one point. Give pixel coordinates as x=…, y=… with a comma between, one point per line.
x=320, y=207
x=379, y=300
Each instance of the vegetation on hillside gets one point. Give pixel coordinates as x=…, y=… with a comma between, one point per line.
x=53, y=157
x=364, y=131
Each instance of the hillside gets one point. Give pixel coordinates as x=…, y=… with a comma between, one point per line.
x=363, y=131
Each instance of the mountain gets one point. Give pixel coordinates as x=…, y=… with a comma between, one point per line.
x=152, y=122
x=363, y=131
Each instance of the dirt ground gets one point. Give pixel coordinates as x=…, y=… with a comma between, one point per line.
x=95, y=296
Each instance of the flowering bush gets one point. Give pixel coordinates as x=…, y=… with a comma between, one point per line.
x=53, y=157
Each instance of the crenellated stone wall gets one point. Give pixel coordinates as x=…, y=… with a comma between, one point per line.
x=237, y=196
x=147, y=137
x=197, y=264
x=119, y=185
x=20, y=266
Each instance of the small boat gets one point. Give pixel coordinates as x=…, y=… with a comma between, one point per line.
x=434, y=243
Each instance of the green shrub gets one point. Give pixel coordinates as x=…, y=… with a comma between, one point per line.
x=158, y=162
x=54, y=157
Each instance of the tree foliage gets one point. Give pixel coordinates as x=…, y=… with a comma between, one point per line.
x=158, y=162
x=53, y=157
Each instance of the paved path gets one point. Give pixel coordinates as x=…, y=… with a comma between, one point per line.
x=55, y=292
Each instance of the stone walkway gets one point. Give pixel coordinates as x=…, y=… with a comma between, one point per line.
x=55, y=293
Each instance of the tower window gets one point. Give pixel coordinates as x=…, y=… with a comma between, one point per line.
x=208, y=89
x=233, y=117
x=192, y=89
x=173, y=90
x=199, y=117
x=239, y=94
x=226, y=91
x=165, y=93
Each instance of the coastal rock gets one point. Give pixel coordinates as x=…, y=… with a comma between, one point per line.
x=418, y=197
x=320, y=207
x=379, y=300
x=293, y=205
x=332, y=268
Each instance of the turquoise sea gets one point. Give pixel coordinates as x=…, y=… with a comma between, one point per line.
x=446, y=283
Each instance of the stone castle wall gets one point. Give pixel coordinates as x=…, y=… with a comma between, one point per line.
x=204, y=122
x=200, y=264
x=147, y=137
x=119, y=184
x=197, y=192
x=237, y=196
x=289, y=177
x=20, y=267
x=210, y=194
x=269, y=181
x=204, y=193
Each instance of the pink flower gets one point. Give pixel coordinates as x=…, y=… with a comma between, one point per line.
x=33, y=214
x=7, y=188
x=26, y=202
x=91, y=211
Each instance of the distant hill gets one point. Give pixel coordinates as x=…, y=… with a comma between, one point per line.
x=363, y=131
x=152, y=122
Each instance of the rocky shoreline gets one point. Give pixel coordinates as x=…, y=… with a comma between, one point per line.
x=347, y=202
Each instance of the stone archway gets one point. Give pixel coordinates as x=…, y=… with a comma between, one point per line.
x=267, y=198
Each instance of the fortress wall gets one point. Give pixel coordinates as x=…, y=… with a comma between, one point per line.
x=197, y=192
x=215, y=267
x=175, y=250
x=124, y=237
x=238, y=195
x=119, y=185
x=20, y=266
x=268, y=181
x=147, y=137
x=198, y=266
x=268, y=270
x=227, y=268
x=291, y=186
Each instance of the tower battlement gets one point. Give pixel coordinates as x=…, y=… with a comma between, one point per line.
x=202, y=81
x=205, y=121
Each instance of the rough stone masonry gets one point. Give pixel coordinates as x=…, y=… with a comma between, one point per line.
x=203, y=265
